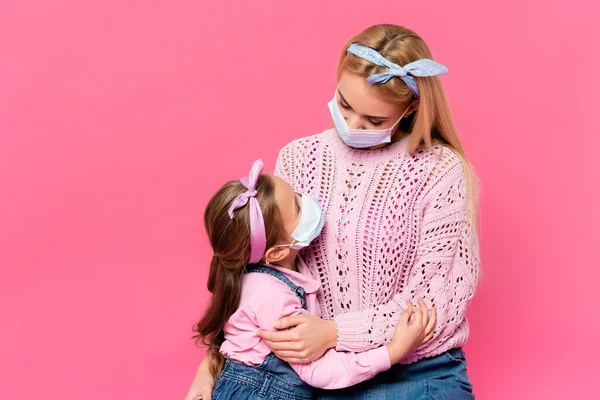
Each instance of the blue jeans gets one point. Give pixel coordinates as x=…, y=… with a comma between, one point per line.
x=271, y=380
x=443, y=377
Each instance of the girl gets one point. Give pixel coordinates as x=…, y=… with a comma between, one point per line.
x=398, y=195
x=256, y=227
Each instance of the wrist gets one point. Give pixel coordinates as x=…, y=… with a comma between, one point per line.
x=332, y=335
x=206, y=361
x=396, y=351
x=204, y=367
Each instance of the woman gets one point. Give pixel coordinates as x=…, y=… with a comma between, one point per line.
x=397, y=191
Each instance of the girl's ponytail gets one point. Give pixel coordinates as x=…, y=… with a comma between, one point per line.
x=225, y=284
x=230, y=242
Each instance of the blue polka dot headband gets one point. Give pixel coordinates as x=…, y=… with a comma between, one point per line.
x=423, y=67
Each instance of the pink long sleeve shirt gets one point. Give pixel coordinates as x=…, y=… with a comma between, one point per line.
x=264, y=300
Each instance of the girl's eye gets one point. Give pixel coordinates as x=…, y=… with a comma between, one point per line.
x=375, y=123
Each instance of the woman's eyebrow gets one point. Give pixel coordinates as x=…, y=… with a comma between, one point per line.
x=342, y=98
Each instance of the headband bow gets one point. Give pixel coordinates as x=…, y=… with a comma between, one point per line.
x=258, y=238
x=423, y=67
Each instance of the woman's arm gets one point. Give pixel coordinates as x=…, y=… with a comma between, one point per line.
x=203, y=382
x=335, y=370
x=301, y=338
x=341, y=369
x=445, y=272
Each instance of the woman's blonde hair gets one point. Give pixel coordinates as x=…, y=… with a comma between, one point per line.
x=432, y=121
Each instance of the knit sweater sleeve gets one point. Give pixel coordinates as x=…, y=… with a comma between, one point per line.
x=444, y=273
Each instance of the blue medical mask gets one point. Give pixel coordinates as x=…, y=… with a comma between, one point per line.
x=311, y=224
x=359, y=138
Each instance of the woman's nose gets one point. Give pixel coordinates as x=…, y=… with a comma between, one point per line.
x=355, y=122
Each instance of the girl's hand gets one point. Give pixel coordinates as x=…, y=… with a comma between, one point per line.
x=203, y=383
x=411, y=334
x=301, y=338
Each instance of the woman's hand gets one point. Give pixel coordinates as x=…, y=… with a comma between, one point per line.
x=203, y=383
x=301, y=338
x=411, y=334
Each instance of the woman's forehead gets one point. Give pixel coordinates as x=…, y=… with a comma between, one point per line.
x=363, y=99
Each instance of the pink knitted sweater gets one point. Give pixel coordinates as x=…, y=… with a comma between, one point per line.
x=396, y=229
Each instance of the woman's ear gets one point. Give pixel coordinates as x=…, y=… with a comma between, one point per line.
x=412, y=108
x=276, y=253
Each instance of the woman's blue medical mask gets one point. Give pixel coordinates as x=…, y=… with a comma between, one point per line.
x=359, y=138
x=310, y=226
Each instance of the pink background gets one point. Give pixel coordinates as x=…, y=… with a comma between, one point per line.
x=118, y=119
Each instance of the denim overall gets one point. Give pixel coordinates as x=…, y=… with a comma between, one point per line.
x=273, y=379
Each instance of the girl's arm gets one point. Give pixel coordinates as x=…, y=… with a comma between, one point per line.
x=335, y=369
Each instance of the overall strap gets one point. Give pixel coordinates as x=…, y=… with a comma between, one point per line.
x=298, y=290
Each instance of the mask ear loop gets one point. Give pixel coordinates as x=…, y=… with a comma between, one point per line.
x=402, y=116
x=287, y=245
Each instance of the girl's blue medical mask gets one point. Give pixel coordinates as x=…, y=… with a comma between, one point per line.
x=359, y=138
x=311, y=223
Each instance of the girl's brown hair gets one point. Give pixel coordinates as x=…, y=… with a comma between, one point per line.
x=230, y=242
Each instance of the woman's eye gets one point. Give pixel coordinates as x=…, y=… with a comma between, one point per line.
x=344, y=106
x=375, y=123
